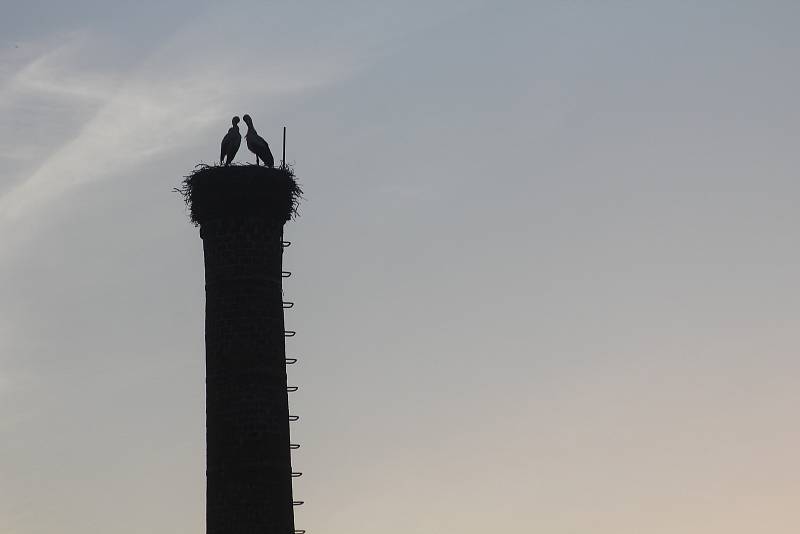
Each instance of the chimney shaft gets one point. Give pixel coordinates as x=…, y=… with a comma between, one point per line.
x=241, y=210
x=249, y=487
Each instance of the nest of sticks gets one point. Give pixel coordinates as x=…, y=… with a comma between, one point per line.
x=217, y=192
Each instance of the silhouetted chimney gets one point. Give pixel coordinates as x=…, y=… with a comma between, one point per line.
x=241, y=211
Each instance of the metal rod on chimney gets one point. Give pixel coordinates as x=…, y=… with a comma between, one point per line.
x=283, y=160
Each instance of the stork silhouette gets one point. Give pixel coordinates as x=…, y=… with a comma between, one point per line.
x=230, y=143
x=257, y=144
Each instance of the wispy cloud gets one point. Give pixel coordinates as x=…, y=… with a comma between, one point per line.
x=96, y=117
x=52, y=73
x=160, y=106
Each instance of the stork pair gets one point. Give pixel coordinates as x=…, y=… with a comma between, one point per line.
x=255, y=143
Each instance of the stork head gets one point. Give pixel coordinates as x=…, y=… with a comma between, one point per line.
x=248, y=120
x=235, y=121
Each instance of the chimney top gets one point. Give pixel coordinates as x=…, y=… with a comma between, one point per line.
x=235, y=191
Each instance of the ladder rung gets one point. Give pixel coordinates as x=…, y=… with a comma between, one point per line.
x=285, y=244
x=286, y=274
x=294, y=446
x=296, y=474
x=290, y=361
x=299, y=532
x=294, y=417
x=287, y=305
x=292, y=389
x=289, y=333
x=297, y=503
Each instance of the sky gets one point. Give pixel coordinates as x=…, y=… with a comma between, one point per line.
x=545, y=273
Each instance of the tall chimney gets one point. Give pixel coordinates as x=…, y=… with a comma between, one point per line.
x=241, y=211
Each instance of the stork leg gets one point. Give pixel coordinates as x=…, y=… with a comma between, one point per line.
x=256, y=159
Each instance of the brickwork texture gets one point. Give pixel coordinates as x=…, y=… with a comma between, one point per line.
x=248, y=466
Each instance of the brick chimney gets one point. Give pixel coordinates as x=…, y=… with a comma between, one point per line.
x=241, y=211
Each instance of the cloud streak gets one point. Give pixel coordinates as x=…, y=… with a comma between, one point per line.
x=155, y=109
x=49, y=74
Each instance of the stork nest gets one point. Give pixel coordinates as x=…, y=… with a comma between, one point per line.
x=217, y=192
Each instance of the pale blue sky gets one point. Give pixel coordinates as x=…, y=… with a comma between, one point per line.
x=545, y=272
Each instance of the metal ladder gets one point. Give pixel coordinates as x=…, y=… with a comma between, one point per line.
x=291, y=389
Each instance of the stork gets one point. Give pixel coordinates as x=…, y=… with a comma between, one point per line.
x=257, y=145
x=230, y=143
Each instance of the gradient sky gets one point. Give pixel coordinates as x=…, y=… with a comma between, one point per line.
x=545, y=273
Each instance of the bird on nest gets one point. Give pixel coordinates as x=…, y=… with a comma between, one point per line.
x=230, y=143
x=257, y=144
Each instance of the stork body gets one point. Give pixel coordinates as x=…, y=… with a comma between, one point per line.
x=230, y=143
x=257, y=144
